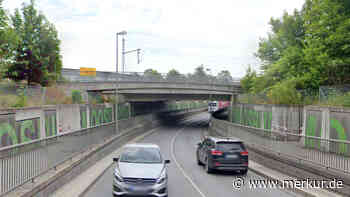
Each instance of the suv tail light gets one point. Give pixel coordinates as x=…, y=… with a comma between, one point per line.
x=244, y=153
x=216, y=152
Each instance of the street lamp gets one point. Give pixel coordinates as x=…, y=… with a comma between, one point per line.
x=138, y=56
x=122, y=33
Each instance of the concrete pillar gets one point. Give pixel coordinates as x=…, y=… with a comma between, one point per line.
x=88, y=116
x=304, y=126
x=325, y=129
x=116, y=111
x=235, y=99
x=42, y=124
x=85, y=96
x=231, y=104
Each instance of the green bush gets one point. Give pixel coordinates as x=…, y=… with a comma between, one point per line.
x=76, y=96
x=284, y=93
x=20, y=102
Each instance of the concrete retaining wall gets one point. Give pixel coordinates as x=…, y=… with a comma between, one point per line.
x=268, y=117
x=325, y=123
x=24, y=125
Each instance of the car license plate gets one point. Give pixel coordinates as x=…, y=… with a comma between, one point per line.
x=231, y=156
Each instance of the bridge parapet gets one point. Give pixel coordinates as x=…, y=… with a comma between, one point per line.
x=73, y=75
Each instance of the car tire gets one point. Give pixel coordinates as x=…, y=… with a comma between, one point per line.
x=198, y=161
x=207, y=168
x=244, y=172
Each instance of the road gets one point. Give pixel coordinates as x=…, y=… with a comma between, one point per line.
x=186, y=178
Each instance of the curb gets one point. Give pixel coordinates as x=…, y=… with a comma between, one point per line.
x=295, y=190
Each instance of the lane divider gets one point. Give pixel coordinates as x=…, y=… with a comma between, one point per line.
x=194, y=185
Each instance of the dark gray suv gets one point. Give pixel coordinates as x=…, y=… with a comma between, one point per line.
x=222, y=154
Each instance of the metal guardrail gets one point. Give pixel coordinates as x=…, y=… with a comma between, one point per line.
x=73, y=75
x=328, y=153
x=24, y=162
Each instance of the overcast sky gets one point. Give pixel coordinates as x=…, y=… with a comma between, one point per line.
x=180, y=34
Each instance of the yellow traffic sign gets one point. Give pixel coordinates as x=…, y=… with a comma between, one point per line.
x=87, y=71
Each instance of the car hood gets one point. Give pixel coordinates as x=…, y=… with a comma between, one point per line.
x=140, y=170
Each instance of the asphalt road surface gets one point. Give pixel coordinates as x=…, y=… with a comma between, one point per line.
x=186, y=178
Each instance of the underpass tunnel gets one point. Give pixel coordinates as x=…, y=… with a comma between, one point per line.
x=222, y=114
x=169, y=108
x=169, y=113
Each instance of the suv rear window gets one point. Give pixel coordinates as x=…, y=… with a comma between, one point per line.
x=228, y=146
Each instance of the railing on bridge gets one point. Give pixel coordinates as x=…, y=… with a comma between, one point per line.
x=73, y=75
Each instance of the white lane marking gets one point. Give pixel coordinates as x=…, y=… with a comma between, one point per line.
x=179, y=166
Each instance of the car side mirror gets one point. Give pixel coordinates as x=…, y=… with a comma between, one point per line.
x=199, y=143
x=116, y=159
x=167, y=161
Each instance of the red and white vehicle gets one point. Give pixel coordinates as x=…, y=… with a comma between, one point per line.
x=214, y=106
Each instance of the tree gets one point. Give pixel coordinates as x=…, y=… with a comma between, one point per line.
x=225, y=76
x=174, y=75
x=152, y=74
x=8, y=41
x=199, y=74
x=327, y=49
x=37, y=58
x=247, y=82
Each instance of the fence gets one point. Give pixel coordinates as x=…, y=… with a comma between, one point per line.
x=328, y=153
x=23, y=162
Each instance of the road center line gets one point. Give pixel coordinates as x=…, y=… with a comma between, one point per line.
x=180, y=167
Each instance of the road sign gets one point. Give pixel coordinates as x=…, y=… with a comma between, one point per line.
x=87, y=71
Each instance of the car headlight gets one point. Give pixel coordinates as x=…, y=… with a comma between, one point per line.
x=118, y=176
x=162, y=177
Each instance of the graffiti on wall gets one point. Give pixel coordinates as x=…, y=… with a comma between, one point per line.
x=100, y=115
x=29, y=129
x=96, y=116
x=123, y=111
x=12, y=132
x=338, y=132
x=313, y=130
x=108, y=114
x=50, y=123
x=83, y=117
x=251, y=117
x=8, y=135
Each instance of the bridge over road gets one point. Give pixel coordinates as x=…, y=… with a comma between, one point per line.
x=140, y=87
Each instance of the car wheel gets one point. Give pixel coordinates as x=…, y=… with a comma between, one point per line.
x=244, y=172
x=207, y=168
x=198, y=161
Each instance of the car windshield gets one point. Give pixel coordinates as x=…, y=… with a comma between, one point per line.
x=228, y=146
x=141, y=155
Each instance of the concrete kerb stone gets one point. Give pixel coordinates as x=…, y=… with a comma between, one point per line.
x=64, y=168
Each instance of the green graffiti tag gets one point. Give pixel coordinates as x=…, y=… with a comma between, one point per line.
x=7, y=135
x=96, y=116
x=94, y=120
x=83, y=118
x=267, y=120
x=29, y=129
x=123, y=111
x=311, y=131
x=50, y=125
x=107, y=115
x=341, y=135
